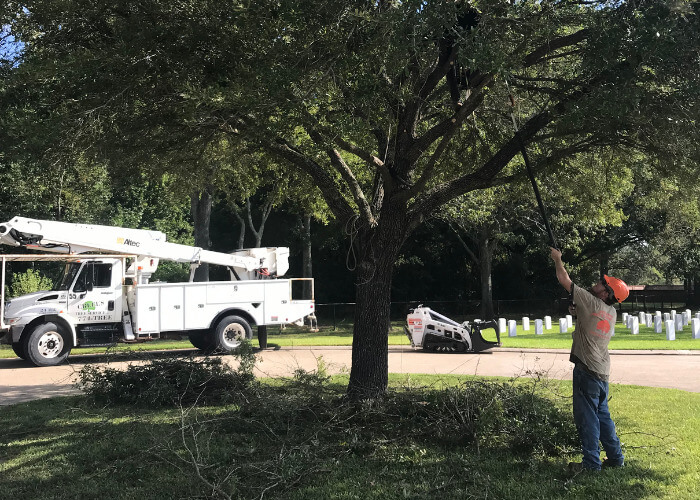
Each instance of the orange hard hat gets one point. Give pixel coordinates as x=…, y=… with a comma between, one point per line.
x=619, y=288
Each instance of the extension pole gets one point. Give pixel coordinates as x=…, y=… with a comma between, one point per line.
x=552, y=240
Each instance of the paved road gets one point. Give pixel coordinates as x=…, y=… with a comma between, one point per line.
x=672, y=369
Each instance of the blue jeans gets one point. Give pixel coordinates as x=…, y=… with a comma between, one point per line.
x=593, y=421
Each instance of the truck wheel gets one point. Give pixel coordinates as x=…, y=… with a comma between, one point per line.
x=202, y=341
x=230, y=332
x=19, y=351
x=46, y=345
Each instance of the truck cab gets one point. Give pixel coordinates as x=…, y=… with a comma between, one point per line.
x=84, y=308
x=93, y=291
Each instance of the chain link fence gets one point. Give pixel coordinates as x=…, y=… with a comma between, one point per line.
x=335, y=314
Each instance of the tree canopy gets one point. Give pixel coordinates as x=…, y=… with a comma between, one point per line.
x=392, y=109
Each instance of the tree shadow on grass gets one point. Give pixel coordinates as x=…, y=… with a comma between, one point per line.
x=277, y=445
x=63, y=448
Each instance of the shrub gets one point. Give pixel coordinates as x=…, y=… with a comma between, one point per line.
x=28, y=282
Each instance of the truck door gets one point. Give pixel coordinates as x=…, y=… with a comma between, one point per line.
x=92, y=298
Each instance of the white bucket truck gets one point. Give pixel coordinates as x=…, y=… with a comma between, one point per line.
x=105, y=295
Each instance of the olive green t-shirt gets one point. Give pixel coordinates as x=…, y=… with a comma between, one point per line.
x=595, y=325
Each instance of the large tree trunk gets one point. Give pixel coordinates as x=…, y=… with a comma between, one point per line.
x=241, y=231
x=201, y=214
x=486, y=247
x=264, y=214
x=603, y=263
x=484, y=260
x=378, y=250
x=306, y=263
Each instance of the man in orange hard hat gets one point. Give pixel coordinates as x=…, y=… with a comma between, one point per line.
x=595, y=324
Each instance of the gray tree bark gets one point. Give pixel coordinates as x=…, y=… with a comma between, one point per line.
x=201, y=214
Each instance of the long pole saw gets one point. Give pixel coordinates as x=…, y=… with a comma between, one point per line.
x=543, y=211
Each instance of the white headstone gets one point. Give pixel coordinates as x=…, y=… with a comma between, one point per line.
x=679, y=323
x=658, y=324
x=538, y=327
x=697, y=315
x=526, y=324
x=667, y=317
x=650, y=320
x=673, y=314
x=686, y=316
x=569, y=321
x=670, y=330
x=642, y=318
x=624, y=318
x=695, y=328
x=657, y=313
x=634, y=327
x=501, y=325
x=563, y=325
x=512, y=328
x=629, y=321
x=548, y=322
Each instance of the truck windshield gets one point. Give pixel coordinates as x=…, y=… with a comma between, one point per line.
x=69, y=274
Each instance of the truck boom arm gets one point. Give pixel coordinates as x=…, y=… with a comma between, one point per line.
x=64, y=237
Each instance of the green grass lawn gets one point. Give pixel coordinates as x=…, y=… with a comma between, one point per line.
x=65, y=448
x=342, y=336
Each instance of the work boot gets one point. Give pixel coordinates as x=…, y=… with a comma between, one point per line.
x=609, y=464
x=578, y=467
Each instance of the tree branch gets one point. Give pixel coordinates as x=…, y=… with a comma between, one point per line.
x=422, y=88
x=451, y=124
x=564, y=41
x=348, y=176
x=331, y=194
x=444, y=143
x=482, y=178
x=469, y=251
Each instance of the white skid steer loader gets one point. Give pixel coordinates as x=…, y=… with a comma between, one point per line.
x=434, y=332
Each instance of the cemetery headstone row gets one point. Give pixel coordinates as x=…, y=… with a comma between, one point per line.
x=671, y=322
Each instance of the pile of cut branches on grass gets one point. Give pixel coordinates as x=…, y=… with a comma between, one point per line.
x=173, y=381
x=274, y=436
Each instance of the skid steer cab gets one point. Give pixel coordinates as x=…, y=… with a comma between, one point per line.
x=437, y=333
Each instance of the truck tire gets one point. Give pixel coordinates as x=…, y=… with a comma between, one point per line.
x=202, y=341
x=19, y=351
x=230, y=332
x=46, y=345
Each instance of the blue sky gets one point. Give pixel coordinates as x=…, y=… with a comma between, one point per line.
x=9, y=47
